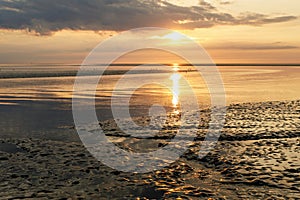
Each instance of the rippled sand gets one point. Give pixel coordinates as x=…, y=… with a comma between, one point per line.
x=257, y=157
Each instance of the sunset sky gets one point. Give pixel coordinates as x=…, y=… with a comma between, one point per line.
x=232, y=31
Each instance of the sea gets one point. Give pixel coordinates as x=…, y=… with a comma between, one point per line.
x=36, y=99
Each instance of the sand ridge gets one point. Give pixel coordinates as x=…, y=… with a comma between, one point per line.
x=257, y=157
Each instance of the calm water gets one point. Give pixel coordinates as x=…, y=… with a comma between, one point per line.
x=35, y=101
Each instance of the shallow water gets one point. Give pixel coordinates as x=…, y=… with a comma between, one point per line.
x=41, y=106
x=242, y=83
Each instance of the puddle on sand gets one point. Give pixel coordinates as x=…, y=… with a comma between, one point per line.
x=10, y=148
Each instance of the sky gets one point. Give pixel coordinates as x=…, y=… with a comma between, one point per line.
x=231, y=31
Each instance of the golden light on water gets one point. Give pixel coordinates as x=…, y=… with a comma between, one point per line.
x=175, y=77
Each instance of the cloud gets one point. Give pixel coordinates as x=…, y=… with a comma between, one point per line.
x=47, y=16
x=225, y=2
x=260, y=19
x=254, y=46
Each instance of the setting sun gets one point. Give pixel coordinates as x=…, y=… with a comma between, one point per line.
x=175, y=67
x=174, y=36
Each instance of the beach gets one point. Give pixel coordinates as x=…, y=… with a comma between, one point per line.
x=256, y=157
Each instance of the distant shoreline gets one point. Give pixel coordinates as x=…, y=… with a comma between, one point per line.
x=12, y=72
x=136, y=64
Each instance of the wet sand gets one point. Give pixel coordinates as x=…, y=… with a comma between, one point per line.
x=257, y=157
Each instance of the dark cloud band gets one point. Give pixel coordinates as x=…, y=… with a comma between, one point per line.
x=47, y=16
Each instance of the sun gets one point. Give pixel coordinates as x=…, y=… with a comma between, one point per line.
x=175, y=67
x=174, y=36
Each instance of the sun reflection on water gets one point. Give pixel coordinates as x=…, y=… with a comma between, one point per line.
x=175, y=77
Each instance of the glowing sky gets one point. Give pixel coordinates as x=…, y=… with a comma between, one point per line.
x=232, y=31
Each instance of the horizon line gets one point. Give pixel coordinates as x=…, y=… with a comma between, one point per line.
x=159, y=64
